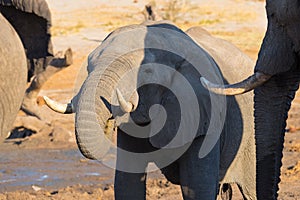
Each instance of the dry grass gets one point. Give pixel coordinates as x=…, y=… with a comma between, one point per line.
x=101, y=17
x=246, y=39
x=225, y=21
x=175, y=10
x=59, y=30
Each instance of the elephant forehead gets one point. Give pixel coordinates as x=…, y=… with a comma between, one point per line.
x=154, y=73
x=132, y=38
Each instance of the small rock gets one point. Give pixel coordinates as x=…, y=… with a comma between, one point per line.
x=293, y=129
x=36, y=188
x=83, y=160
x=48, y=194
x=54, y=192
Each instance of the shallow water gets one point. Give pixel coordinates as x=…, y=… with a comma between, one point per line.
x=49, y=168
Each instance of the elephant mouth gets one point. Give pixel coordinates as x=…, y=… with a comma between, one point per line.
x=140, y=119
x=119, y=118
x=143, y=124
x=110, y=127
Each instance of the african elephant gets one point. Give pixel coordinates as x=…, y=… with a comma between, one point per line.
x=275, y=81
x=13, y=76
x=144, y=79
x=32, y=21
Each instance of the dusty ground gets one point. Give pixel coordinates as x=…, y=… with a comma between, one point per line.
x=48, y=165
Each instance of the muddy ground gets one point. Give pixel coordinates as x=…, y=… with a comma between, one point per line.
x=46, y=164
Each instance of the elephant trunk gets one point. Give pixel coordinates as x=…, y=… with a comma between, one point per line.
x=95, y=105
x=92, y=114
x=272, y=102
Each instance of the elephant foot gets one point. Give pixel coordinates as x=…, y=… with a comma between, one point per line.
x=26, y=127
x=30, y=107
x=31, y=123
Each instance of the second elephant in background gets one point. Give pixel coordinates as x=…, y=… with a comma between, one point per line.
x=31, y=19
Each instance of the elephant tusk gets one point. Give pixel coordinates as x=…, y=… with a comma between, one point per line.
x=59, y=107
x=257, y=79
x=127, y=106
x=135, y=100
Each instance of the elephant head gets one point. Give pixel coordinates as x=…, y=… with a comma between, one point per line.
x=13, y=76
x=131, y=76
x=275, y=81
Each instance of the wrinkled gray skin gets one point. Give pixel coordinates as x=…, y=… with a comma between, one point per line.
x=275, y=82
x=13, y=76
x=32, y=21
x=232, y=159
x=279, y=57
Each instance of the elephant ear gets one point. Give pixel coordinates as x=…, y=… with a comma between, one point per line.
x=180, y=111
x=32, y=21
x=165, y=124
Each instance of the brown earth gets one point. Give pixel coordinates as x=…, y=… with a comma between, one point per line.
x=46, y=164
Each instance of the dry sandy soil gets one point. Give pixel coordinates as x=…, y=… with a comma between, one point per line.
x=46, y=164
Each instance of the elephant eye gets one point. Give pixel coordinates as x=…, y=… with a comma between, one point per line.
x=148, y=71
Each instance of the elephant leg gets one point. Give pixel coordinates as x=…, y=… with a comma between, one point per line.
x=29, y=105
x=171, y=172
x=130, y=185
x=272, y=102
x=130, y=175
x=199, y=177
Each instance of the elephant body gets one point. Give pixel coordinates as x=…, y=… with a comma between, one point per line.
x=275, y=81
x=13, y=76
x=238, y=152
x=278, y=57
x=31, y=19
x=144, y=80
